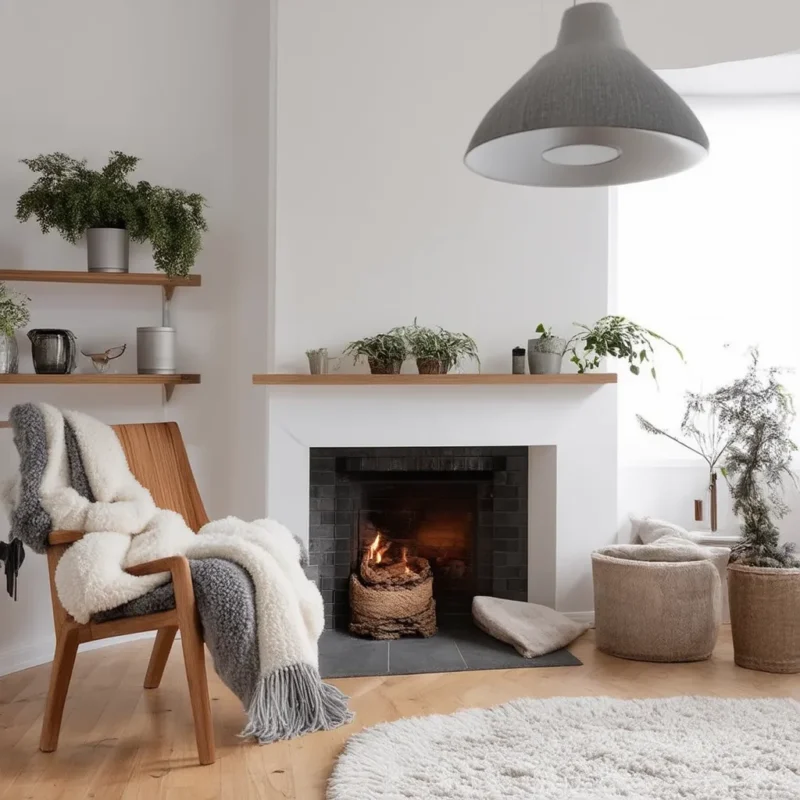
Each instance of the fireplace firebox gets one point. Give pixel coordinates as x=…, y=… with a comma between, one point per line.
x=458, y=515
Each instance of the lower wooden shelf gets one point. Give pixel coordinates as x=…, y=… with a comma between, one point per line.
x=169, y=382
x=452, y=379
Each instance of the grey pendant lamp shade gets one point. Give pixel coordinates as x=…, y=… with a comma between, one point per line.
x=589, y=113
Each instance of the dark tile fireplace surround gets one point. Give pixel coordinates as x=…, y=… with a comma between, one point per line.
x=463, y=508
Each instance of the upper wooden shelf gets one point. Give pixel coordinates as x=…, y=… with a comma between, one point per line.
x=114, y=278
x=412, y=379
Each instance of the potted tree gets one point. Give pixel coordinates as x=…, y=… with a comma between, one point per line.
x=385, y=352
x=437, y=351
x=14, y=315
x=764, y=575
x=546, y=353
x=109, y=210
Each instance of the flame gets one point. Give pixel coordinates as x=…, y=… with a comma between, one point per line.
x=372, y=550
x=404, y=559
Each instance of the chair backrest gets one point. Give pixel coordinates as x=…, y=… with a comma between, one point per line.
x=157, y=457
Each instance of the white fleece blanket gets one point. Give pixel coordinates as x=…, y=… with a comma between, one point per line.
x=124, y=528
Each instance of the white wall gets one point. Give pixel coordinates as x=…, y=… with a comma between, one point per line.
x=378, y=219
x=161, y=81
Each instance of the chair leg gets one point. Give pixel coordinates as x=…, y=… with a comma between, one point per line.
x=158, y=658
x=60, y=675
x=195, y=663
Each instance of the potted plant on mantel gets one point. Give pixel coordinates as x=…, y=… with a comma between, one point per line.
x=110, y=210
x=610, y=337
x=546, y=353
x=385, y=352
x=438, y=351
x=764, y=575
x=14, y=315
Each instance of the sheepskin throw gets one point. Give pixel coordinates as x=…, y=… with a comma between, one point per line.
x=532, y=630
x=262, y=630
x=582, y=748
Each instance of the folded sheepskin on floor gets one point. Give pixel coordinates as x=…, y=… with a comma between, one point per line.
x=532, y=630
x=261, y=616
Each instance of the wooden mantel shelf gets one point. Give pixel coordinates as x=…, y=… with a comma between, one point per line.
x=169, y=382
x=412, y=379
x=113, y=278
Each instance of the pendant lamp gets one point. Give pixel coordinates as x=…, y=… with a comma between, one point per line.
x=589, y=113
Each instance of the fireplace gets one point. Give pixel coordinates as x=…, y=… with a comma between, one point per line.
x=462, y=511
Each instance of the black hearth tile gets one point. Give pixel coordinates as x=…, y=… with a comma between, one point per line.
x=508, y=533
x=343, y=531
x=324, y=491
x=314, y=517
x=481, y=651
x=414, y=656
x=397, y=464
x=344, y=504
x=351, y=464
x=505, y=491
x=502, y=504
x=342, y=557
x=323, y=478
x=517, y=585
x=327, y=595
x=447, y=464
x=326, y=584
x=500, y=478
x=327, y=517
x=460, y=464
x=322, y=463
x=343, y=656
x=516, y=478
x=322, y=545
x=341, y=582
x=323, y=452
x=320, y=532
x=323, y=504
x=327, y=559
x=516, y=463
x=344, y=517
x=342, y=546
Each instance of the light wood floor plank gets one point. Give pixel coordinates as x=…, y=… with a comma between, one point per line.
x=122, y=742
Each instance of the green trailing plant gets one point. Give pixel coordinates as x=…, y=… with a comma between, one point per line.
x=14, y=313
x=438, y=345
x=384, y=349
x=546, y=333
x=547, y=343
x=615, y=337
x=70, y=198
x=758, y=461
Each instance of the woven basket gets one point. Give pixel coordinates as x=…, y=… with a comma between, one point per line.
x=765, y=617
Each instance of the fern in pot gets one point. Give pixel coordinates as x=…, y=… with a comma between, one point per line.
x=764, y=575
x=14, y=315
x=69, y=197
x=385, y=352
x=437, y=351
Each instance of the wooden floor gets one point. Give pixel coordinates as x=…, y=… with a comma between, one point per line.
x=121, y=741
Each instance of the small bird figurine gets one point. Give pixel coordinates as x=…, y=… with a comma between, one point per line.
x=100, y=361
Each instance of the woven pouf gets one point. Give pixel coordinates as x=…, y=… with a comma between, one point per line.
x=656, y=610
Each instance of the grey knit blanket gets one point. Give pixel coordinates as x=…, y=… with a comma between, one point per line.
x=224, y=592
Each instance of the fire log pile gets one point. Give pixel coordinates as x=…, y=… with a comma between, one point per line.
x=391, y=596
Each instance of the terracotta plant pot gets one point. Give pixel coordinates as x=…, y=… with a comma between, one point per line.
x=431, y=366
x=384, y=368
x=765, y=617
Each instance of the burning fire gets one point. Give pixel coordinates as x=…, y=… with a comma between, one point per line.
x=376, y=551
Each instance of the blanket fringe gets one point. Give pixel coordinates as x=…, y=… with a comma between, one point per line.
x=292, y=701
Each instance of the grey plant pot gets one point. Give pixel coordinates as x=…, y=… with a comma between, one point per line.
x=155, y=351
x=107, y=249
x=545, y=355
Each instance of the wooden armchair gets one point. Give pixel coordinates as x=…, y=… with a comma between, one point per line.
x=157, y=457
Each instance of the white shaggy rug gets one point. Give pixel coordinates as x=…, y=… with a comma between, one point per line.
x=598, y=748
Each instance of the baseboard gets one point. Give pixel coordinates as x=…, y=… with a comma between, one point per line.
x=32, y=655
x=586, y=617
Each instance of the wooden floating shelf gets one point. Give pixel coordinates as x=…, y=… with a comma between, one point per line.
x=113, y=278
x=339, y=379
x=169, y=382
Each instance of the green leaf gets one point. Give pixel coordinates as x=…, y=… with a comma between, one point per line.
x=540, y=328
x=634, y=369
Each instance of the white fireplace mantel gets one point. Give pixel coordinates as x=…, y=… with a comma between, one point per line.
x=571, y=431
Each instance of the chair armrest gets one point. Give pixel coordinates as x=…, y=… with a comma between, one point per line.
x=64, y=537
x=181, y=581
